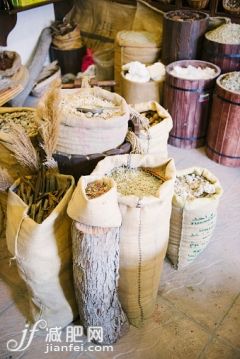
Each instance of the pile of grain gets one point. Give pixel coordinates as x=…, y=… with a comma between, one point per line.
x=225, y=34
x=193, y=73
x=73, y=104
x=192, y=186
x=26, y=119
x=135, y=181
x=231, y=81
x=97, y=188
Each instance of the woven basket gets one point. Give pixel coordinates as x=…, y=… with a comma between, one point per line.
x=198, y=4
x=230, y=9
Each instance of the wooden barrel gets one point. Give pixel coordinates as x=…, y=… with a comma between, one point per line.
x=182, y=37
x=188, y=102
x=223, y=145
x=226, y=56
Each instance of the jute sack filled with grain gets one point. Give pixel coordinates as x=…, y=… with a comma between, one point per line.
x=194, y=214
x=24, y=116
x=95, y=236
x=131, y=46
x=43, y=251
x=151, y=127
x=145, y=204
x=93, y=120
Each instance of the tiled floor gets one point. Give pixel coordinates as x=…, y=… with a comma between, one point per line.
x=198, y=309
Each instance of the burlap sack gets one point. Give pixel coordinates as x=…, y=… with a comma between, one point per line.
x=88, y=136
x=135, y=92
x=153, y=140
x=149, y=18
x=101, y=20
x=192, y=222
x=44, y=257
x=130, y=46
x=95, y=237
x=143, y=235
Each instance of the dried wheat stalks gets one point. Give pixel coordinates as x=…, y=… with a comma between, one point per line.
x=6, y=179
x=23, y=149
x=48, y=115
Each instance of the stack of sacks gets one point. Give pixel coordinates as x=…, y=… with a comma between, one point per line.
x=141, y=83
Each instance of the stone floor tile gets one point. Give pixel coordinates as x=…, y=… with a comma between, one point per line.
x=230, y=327
x=217, y=349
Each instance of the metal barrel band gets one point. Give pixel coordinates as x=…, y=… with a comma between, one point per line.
x=222, y=154
x=188, y=138
x=229, y=101
x=196, y=90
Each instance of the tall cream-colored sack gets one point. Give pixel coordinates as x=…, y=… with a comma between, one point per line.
x=154, y=139
x=43, y=255
x=95, y=237
x=192, y=222
x=84, y=136
x=143, y=235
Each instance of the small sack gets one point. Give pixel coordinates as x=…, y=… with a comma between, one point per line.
x=85, y=136
x=192, y=222
x=44, y=257
x=143, y=235
x=131, y=46
x=95, y=237
x=135, y=92
x=152, y=139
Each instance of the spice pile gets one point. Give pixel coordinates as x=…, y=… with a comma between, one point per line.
x=192, y=186
x=152, y=116
x=26, y=119
x=90, y=107
x=231, y=81
x=97, y=188
x=135, y=181
x=193, y=73
x=42, y=194
x=225, y=34
x=6, y=61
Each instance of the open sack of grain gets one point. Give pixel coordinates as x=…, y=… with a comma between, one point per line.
x=26, y=118
x=151, y=126
x=145, y=189
x=38, y=228
x=95, y=235
x=93, y=120
x=194, y=213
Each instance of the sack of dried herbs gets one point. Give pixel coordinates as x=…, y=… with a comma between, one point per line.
x=39, y=238
x=145, y=189
x=95, y=236
x=151, y=125
x=194, y=213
